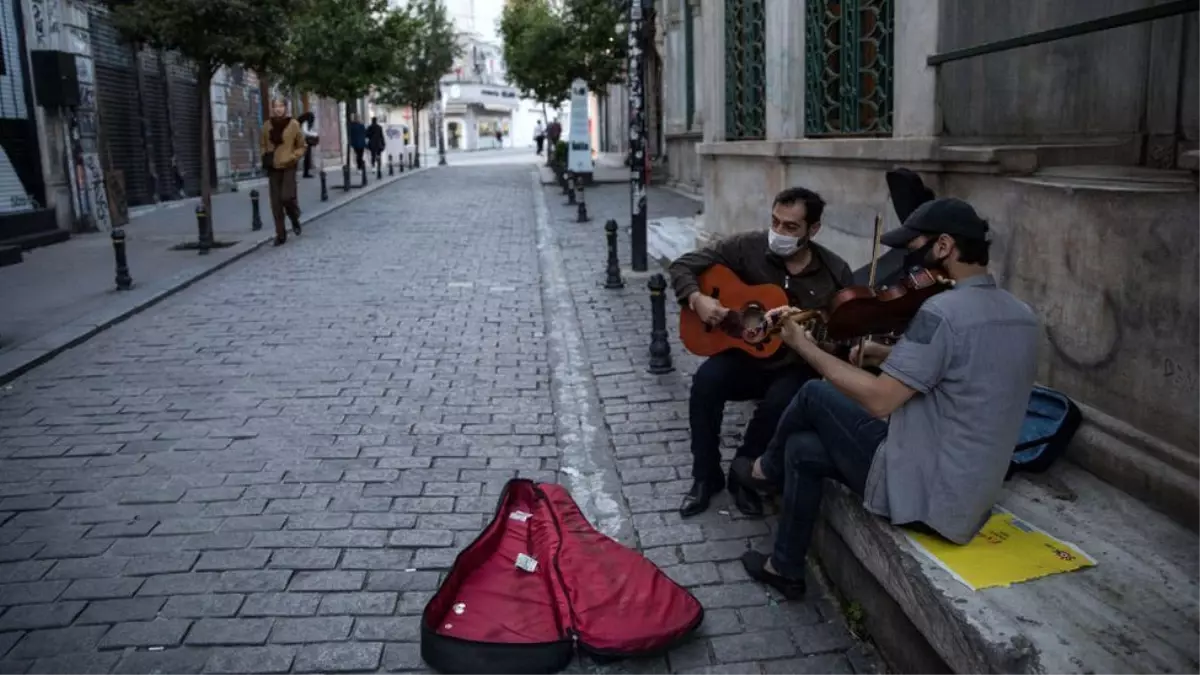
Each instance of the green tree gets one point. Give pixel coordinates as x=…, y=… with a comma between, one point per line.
x=598, y=50
x=549, y=44
x=421, y=60
x=339, y=49
x=211, y=34
x=537, y=51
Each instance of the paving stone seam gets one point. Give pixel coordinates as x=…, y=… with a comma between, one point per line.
x=587, y=458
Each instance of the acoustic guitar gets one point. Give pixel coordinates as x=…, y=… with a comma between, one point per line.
x=747, y=307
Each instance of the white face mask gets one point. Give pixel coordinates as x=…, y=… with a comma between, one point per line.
x=783, y=245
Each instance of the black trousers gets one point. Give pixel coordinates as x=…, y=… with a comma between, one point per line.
x=308, y=161
x=358, y=158
x=541, y=141
x=734, y=376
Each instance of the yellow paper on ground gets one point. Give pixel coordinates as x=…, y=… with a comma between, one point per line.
x=1006, y=551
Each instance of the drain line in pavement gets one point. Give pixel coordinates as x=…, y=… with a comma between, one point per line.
x=586, y=459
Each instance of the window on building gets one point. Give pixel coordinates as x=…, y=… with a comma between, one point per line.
x=848, y=67
x=745, y=71
x=689, y=65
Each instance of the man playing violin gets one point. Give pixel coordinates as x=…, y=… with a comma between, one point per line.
x=783, y=255
x=927, y=442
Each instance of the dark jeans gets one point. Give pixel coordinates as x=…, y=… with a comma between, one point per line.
x=734, y=376
x=308, y=161
x=358, y=158
x=822, y=434
x=541, y=141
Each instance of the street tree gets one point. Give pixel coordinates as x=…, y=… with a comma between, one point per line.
x=549, y=43
x=598, y=48
x=421, y=60
x=210, y=34
x=537, y=51
x=339, y=49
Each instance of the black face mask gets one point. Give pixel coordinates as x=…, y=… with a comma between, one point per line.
x=923, y=258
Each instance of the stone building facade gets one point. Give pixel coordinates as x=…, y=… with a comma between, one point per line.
x=1080, y=151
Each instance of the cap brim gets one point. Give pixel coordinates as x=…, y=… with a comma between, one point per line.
x=899, y=237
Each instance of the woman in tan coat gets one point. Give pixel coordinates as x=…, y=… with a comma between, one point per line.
x=283, y=147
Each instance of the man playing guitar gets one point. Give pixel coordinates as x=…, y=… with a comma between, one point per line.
x=810, y=274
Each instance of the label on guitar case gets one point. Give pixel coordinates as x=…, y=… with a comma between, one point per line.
x=520, y=516
x=526, y=563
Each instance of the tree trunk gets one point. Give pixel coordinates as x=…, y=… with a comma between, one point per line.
x=346, y=168
x=205, y=83
x=416, y=163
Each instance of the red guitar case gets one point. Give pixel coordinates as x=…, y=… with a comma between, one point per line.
x=539, y=582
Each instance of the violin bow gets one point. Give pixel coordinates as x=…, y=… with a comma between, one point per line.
x=871, y=277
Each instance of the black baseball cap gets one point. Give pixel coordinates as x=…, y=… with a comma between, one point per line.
x=940, y=216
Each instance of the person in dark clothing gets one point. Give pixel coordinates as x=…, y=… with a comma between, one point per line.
x=375, y=141
x=810, y=274
x=358, y=140
x=308, y=123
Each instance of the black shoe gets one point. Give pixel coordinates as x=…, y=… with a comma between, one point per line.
x=296, y=227
x=755, y=564
x=742, y=469
x=746, y=501
x=697, y=499
x=280, y=241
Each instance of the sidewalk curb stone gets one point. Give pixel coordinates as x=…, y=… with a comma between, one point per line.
x=35, y=352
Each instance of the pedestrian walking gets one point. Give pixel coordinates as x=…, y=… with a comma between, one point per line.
x=283, y=147
x=308, y=123
x=499, y=138
x=358, y=140
x=375, y=141
x=539, y=136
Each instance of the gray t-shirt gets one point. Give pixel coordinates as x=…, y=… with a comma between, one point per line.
x=971, y=355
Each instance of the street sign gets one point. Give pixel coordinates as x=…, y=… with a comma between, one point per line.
x=579, y=137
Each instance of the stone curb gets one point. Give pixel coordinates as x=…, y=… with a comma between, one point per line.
x=41, y=349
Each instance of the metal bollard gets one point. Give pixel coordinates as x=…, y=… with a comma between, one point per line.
x=400, y=160
x=581, y=214
x=124, y=281
x=346, y=177
x=202, y=226
x=364, y=175
x=324, y=188
x=571, y=190
x=391, y=167
x=255, y=217
x=612, y=272
x=379, y=169
x=660, y=348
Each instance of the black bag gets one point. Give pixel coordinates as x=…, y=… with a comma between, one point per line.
x=268, y=161
x=1050, y=423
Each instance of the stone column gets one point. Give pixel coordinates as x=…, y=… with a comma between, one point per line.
x=785, y=60
x=915, y=111
x=675, y=68
x=712, y=37
x=698, y=67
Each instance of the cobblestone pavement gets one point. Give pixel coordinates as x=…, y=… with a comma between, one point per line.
x=269, y=471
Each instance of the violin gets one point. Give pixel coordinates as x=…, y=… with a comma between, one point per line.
x=859, y=311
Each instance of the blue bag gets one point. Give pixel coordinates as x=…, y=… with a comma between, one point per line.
x=1050, y=423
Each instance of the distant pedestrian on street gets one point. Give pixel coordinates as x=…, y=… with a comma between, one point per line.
x=283, y=147
x=308, y=122
x=499, y=138
x=358, y=140
x=553, y=133
x=375, y=141
x=539, y=136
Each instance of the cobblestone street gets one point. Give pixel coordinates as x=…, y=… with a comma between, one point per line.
x=269, y=471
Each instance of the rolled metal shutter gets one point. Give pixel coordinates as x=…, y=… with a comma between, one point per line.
x=117, y=103
x=184, y=101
